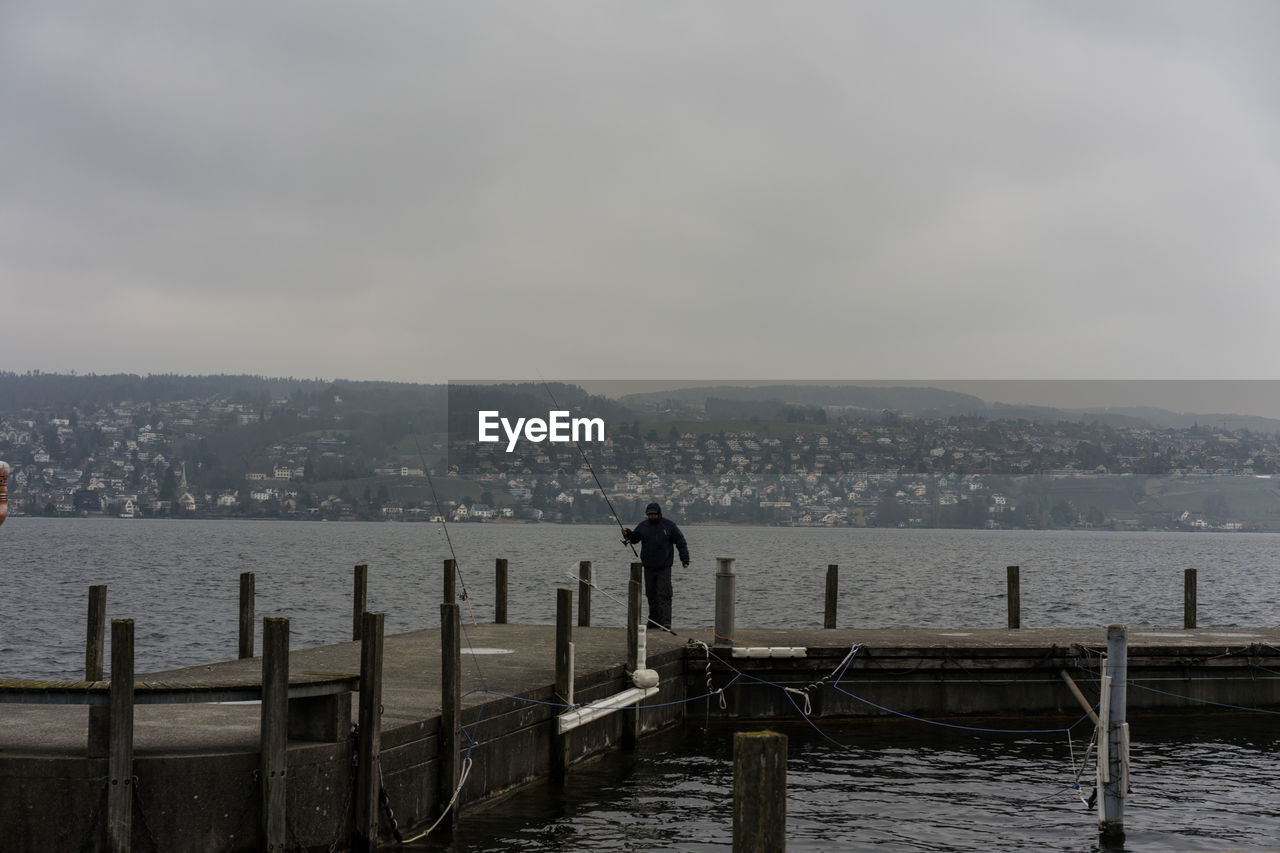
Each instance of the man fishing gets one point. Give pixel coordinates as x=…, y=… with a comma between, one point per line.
x=660, y=538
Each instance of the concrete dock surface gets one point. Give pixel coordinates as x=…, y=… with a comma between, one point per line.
x=519, y=660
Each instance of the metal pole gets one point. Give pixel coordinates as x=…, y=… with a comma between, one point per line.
x=368, y=771
x=725, y=597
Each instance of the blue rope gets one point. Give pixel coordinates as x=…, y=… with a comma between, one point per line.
x=1202, y=701
x=958, y=726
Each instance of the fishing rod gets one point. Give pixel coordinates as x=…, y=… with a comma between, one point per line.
x=599, y=485
x=440, y=512
x=606, y=592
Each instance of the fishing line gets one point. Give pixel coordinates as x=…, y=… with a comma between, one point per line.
x=599, y=486
x=579, y=579
x=466, y=596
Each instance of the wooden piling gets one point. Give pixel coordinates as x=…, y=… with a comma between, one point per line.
x=247, y=595
x=450, y=709
x=1014, y=585
x=759, y=792
x=1189, y=598
x=500, y=591
x=274, y=731
x=584, y=594
x=120, y=739
x=1114, y=782
x=450, y=581
x=368, y=768
x=95, y=633
x=564, y=664
x=833, y=594
x=725, y=596
x=636, y=635
x=359, y=600
x=95, y=642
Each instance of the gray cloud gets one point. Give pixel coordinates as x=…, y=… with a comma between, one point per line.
x=729, y=189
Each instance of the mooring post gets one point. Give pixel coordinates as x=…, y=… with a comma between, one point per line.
x=95, y=642
x=1114, y=779
x=1189, y=598
x=120, y=739
x=450, y=581
x=500, y=591
x=450, y=708
x=833, y=594
x=637, y=635
x=274, y=730
x=359, y=600
x=246, y=614
x=759, y=792
x=369, y=748
x=564, y=655
x=95, y=634
x=1015, y=597
x=725, y=597
x=584, y=594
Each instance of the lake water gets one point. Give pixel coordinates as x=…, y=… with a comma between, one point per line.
x=1200, y=783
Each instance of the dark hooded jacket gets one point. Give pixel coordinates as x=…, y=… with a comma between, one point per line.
x=659, y=541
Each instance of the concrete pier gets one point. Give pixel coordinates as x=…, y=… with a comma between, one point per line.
x=197, y=773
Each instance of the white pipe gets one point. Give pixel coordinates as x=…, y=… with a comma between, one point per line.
x=570, y=720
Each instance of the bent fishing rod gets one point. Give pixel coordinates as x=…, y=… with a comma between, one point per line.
x=599, y=485
x=440, y=512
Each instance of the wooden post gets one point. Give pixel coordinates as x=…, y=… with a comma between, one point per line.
x=95, y=635
x=636, y=634
x=759, y=792
x=450, y=581
x=274, y=732
x=1189, y=598
x=120, y=740
x=500, y=591
x=725, y=596
x=359, y=600
x=564, y=663
x=95, y=642
x=833, y=595
x=584, y=594
x=450, y=708
x=368, y=770
x=1015, y=597
x=1113, y=773
x=246, y=614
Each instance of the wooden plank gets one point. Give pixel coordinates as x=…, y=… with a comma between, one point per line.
x=247, y=596
x=450, y=708
x=359, y=600
x=368, y=770
x=120, y=758
x=833, y=595
x=95, y=641
x=500, y=591
x=274, y=731
x=584, y=594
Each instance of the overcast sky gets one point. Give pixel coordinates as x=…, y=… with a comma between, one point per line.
x=716, y=189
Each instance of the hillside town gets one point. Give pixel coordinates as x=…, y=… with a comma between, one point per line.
x=278, y=459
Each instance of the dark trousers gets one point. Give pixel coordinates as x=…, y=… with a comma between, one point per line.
x=657, y=588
